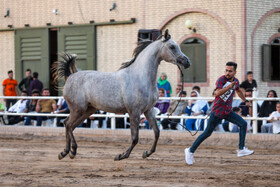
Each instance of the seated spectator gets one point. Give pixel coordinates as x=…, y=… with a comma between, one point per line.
x=2, y=109
x=43, y=106
x=211, y=103
x=250, y=82
x=247, y=105
x=62, y=109
x=196, y=108
x=164, y=83
x=179, y=110
x=267, y=108
x=36, y=83
x=162, y=105
x=178, y=89
x=196, y=88
x=275, y=119
x=99, y=119
x=119, y=122
x=31, y=103
x=18, y=107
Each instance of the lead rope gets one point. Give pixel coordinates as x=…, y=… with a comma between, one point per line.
x=182, y=89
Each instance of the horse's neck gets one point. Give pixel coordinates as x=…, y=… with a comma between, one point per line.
x=146, y=64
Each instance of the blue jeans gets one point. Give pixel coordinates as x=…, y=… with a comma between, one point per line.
x=38, y=118
x=214, y=121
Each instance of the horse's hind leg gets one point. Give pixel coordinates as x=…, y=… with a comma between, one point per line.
x=68, y=141
x=75, y=124
x=134, y=128
x=74, y=120
x=153, y=123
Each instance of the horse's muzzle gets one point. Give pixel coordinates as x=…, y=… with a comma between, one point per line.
x=184, y=61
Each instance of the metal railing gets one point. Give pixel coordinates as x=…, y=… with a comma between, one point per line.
x=113, y=116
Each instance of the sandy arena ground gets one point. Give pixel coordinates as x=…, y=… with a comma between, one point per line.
x=30, y=159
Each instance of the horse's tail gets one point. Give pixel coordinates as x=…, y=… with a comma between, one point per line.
x=65, y=67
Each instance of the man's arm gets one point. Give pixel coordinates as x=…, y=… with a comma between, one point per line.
x=4, y=87
x=240, y=94
x=54, y=106
x=38, y=107
x=221, y=91
x=16, y=88
x=20, y=84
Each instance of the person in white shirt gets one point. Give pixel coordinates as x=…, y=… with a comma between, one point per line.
x=275, y=119
x=18, y=107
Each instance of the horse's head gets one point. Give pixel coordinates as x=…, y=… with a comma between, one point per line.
x=171, y=52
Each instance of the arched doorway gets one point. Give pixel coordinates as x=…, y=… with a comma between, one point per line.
x=195, y=49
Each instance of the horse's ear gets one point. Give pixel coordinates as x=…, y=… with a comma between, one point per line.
x=166, y=35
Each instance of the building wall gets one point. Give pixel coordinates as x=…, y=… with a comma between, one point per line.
x=262, y=23
x=227, y=25
x=7, y=55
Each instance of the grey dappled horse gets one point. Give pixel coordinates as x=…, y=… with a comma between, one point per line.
x=132, y=89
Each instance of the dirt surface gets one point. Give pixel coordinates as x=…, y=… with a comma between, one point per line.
x=34, y=162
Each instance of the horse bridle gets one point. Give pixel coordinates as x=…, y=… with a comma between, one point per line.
x=182, y=89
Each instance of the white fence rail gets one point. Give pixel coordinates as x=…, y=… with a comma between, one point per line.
x=113, y=116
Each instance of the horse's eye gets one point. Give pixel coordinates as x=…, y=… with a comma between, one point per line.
x=172, y=47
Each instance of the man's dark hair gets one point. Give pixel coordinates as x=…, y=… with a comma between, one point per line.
x=232, y=64
x=35, y=75
x=35, y=91
x=24, y=91
x=28, y=70
x=183, y=93
x=236, y=109
x=11, y=71
x=196, y=88
x=249, y=73
x=45, y=89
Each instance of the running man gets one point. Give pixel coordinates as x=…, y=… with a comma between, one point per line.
x=225, y=87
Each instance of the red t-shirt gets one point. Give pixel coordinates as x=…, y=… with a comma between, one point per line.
x=10, y=89
x=222, y=104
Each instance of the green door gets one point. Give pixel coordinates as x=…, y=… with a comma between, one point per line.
x=197, y=54
x=80, y=41
x=32, y=51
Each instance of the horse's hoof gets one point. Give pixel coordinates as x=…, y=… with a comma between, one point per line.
x=72, y=155
x=60, y=156
x=145, y=154
x=118, y=157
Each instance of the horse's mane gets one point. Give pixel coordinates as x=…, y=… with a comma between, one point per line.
x=141, y=45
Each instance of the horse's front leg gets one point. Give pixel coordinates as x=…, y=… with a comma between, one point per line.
x=134, y=128
x=153, y=123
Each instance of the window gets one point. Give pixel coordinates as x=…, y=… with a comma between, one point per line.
x=271, y=61
x=195, y=49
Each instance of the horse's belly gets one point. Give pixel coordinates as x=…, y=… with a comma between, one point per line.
x=109, y=106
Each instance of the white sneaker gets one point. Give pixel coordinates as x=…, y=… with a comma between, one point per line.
x=189, y=156
x=244, y=152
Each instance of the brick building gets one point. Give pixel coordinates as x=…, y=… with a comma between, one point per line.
x=246, y=32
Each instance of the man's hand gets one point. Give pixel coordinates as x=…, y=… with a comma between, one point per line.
x=231, y=85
